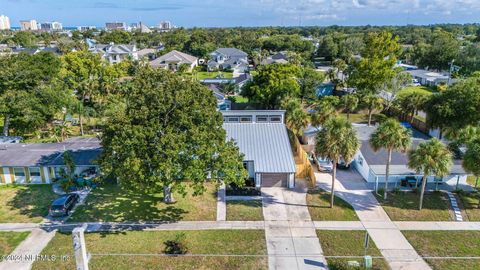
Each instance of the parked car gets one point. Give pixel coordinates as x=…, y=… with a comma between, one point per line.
x=324, y=165
x=63, y=205
x=342, y=165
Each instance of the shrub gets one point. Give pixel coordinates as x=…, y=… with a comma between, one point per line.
x=176, y=246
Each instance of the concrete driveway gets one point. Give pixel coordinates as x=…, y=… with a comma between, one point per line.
x=292, y=241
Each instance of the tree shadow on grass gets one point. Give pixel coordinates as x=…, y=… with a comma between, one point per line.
x=110, y=203
x=32, y=201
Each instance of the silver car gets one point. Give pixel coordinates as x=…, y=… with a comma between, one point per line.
x=324, y=165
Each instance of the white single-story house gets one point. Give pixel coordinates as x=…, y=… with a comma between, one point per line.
x=173, y=60
x=262, y=137
x=372, y=165
x=428, y=78
x=40, y=163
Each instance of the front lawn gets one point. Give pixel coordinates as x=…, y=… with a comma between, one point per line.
x=113, y=204
x=25, y=203
x=470, y=205
x=202, y=75
x=244, y=210
x=403, y=206
x=447, y=244
x=415, y=89
x=348, y=243
x=318, y=202
x=147, y=248
x=10, y=240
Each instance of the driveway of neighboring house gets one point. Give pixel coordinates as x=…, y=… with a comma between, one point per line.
x=397, y=251
x=292, y=242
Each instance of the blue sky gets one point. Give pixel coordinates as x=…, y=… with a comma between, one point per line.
x=218, y=13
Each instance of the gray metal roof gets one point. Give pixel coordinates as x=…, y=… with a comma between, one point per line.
x=267, y=144
x=84, y=152
x=231, y=52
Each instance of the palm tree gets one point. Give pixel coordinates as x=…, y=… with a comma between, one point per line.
x=296, y=117
x=350, y=103
x=430, y=158
x=471, y=160
x=325, y=109
x=337, y=140
x=373, y=103
x=391, y=136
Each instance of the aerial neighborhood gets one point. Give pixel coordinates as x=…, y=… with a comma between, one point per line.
x=143, y=146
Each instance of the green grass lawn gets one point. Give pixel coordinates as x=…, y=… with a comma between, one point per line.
x=360, y=117
x=348, y=243
x=244, y=210
x=447, y=244
x=111, y=203
x=10, y=240
x=403, y=206
x=220, y=242
x=412, y=89
x=471, y=180
x=318, y=202
x=469, y=201
x=238, y=99
x=25, y=203
x=202, y=75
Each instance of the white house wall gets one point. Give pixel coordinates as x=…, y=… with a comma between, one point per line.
x=6, y=175
x=361, y=166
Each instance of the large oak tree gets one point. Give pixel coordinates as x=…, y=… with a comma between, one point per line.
x=168, y=136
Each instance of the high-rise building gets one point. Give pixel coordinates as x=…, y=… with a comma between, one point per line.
x=116, y=26
x=51, y=26
x=85, y=28
x=165, y=25
x=4, y=22
x=29, y=25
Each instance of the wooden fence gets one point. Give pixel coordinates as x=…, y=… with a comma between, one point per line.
x=304, y=167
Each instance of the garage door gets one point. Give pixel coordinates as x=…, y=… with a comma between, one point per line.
x=274, y=179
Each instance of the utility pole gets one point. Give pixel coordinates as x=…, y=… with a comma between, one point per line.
x=79, y=248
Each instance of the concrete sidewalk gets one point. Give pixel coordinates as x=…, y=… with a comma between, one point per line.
x=25, y=253
x=292, y=241
x=394, y=247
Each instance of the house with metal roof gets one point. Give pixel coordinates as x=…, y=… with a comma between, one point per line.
x=262, y=137
x=428, y=78
x=37, y=163
x=173, y=60
x=372, y=165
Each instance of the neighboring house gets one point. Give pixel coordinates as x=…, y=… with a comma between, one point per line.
x=174, y=59
x=239, y=81
x=115, y=53
x=38, y=163
x=228, y=59
x=223, y=104
x=31, y=51
x=371, y=165
x=10, y=139
x=147, y=53
x=278, y=58
x=263, y=139
x=428, y=78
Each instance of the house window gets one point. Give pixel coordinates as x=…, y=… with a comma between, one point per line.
x=245, y=119
x=262, y=119
x=275, y=119
x=34, y=172
x=19, y=172
x=360, y=160
x=19, y=175
x=233, y=119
